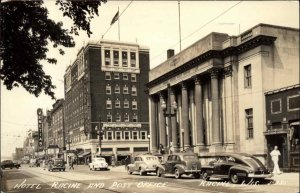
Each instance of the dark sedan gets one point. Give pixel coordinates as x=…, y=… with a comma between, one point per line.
x=236, y=167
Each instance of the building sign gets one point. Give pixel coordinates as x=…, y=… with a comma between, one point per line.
x=40, y=126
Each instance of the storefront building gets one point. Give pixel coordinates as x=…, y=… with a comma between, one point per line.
x=283, y=125
x=210, y=97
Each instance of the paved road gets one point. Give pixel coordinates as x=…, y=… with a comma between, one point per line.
x=37, y=180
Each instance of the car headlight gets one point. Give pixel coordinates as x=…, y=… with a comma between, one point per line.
x=250, y=171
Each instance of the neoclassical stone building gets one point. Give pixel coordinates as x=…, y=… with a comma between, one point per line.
x=210, y=96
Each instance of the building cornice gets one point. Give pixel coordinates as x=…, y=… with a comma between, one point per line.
x=214, y=54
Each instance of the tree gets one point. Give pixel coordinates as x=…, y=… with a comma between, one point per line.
x=26, y=33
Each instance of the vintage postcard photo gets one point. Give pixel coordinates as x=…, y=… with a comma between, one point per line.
x=149, y=96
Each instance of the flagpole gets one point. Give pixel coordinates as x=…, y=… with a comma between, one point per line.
x=119, y=24
x=179, y=26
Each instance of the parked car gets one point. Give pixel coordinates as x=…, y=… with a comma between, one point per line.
x=143, y=164
x=56, y=164
x=9, y=164
x=236, y=167
x=178, y=164
x=98, y=163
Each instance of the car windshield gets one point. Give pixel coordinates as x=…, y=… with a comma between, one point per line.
x=189, y=157
x=151, y=158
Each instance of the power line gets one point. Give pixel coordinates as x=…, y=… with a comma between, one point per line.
x=118, y=19
x=222, y=13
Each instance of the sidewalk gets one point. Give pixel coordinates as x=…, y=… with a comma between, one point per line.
x=289, y=179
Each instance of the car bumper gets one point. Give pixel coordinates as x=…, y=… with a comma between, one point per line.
x=260, y=175
x=192, y=171
x=150, y=170
x=101, y=167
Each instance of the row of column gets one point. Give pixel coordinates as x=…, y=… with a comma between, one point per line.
x=158, y=115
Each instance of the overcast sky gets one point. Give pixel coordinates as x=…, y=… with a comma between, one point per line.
x=150, y=23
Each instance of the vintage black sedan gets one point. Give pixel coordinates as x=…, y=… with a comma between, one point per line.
x=178, y=164
x=236, y=167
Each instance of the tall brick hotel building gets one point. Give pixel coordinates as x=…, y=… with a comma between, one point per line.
x=105, y=91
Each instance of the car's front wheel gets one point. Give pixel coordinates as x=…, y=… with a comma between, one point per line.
x=177, y=174
x=141, y=172
x=234, y=178
x=158, y=172
x=205, y=175
x=128, y=171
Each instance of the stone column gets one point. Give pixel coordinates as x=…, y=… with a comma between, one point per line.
x=229, y=139
x=216, y=137
x=153, y=129
x=162, y=123
x=185, y=115
x=173, y=121
x=199, y=114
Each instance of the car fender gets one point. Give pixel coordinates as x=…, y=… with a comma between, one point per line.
x=130, y=167
x=159, y=166
x=143, y=167
x=180, y=167
x=239, y=169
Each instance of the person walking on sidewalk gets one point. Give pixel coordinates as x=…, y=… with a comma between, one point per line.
x=275, y=157
x=71, y=164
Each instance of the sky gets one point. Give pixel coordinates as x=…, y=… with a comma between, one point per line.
x=154, y=24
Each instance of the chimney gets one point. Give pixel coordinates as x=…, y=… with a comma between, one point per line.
x=170, y=53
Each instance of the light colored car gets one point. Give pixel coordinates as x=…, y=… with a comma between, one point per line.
x=98, y=163
x=143, y=164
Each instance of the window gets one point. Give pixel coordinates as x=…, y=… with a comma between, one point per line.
x=134, y=105
x=133, y=77
x=293, y=102
x=116, y=75
x=126, y=103
x=126, y=118
x=109, y=135
x=249, y=123
x=118, y=135
x=107, y=76
x=124, y=59
x=109, y=118
x=108, y=104
x=276, y=106
x=117, y=89
x=134, y=118
x=134, y=135
x=107, y=57
x=116, y=58
x=132, y=59
x=108, y=89
x=126, y=135
x=117, y=103
x=247, y=76
x=118, y=118
x=125, y=76
x=125, y=90
x=133, y=91
x=143, y=135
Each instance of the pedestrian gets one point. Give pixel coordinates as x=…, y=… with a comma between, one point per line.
x=113, y=161
x=71, y=163
x=275, y=157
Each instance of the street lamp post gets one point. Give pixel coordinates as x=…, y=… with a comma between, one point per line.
x=168, y=113
x=182, y=130
x=100, y=134
x=149, y=143
x=68, y=142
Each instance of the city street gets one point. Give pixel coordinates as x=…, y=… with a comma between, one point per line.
x=81, y=179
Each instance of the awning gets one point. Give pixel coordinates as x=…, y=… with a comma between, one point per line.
x=84, y=154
